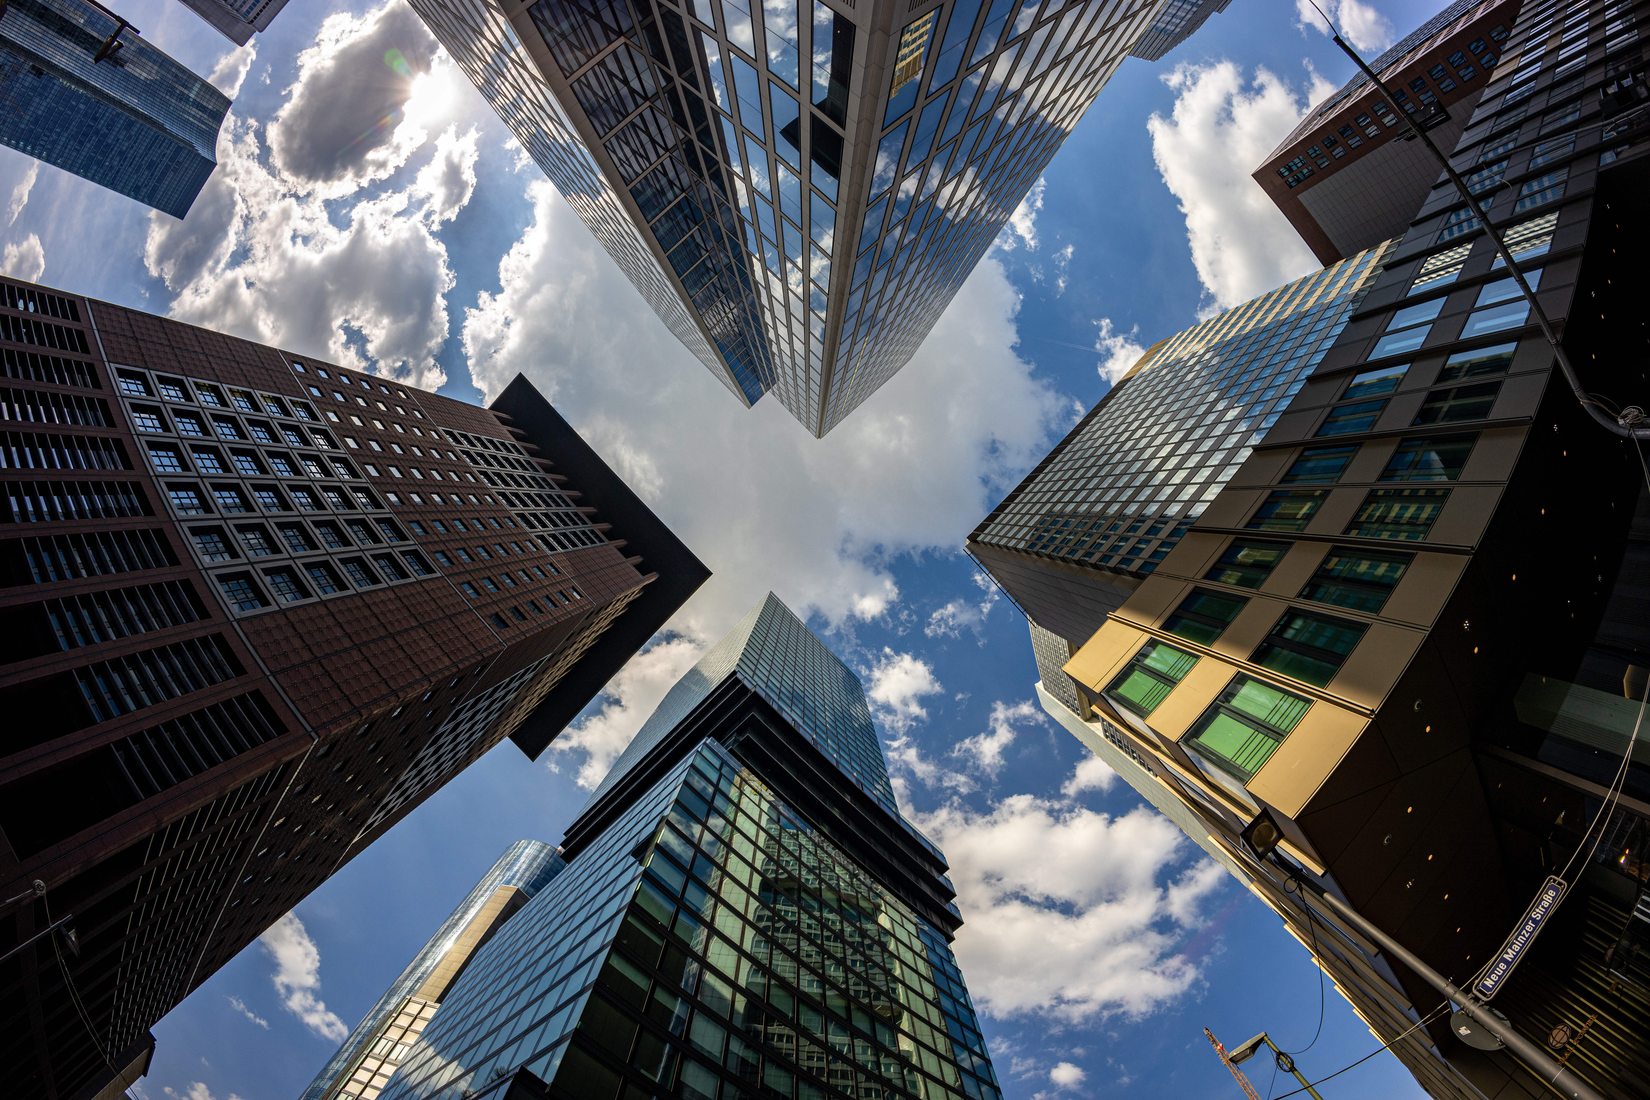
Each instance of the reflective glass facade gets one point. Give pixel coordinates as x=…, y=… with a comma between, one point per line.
x=236, y=19
x=1120, y=491
x=373, y=1049
x=730, y=924
x=135, y=122
x=798, y=189
x=1174, y=24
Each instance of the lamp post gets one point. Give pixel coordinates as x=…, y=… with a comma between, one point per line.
x=1283, y=1060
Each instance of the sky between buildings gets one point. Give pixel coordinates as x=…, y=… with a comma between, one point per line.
x=368, y=208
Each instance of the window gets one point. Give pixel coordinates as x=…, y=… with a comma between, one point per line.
x=469, y=590
x=227, y=428
x=1246, y=563
x=1457, y=403
x=167, y=460
x=1482, y=322
x=209, y=395
x=1287, y=509
x=1243, y=728
x=273, y=406
x=336, y=498
x=1548, y=151
x=358, y=573
x=242, y=400
x=1308, y=647
x=416, y=564
x=241, y=594
x=442, y=559
x=247, y=463
x=1353, y=416
x=312, y=465
x=1357, y=579
x=1441, y=268
x=388, y=566
x=306, y=500
x=1403, y=514
x=172, y=389
x=133, y=384
x=463, y=554
x=1426, y=458
x=1375, y=383
x=260, y=431
x=1542, y=189
x=187, y=500
x=1204, y=616
x=1529, y=239
x=210, y=544
x=1506, y=290
x=324, y=579
x=363, y=534
x=1320, y=465
x=269, y=498
x=1479, y=361
x=207, y=460
x=1408, y=328
x=293, y=437
x=489, y=584
x=389, y=531
x=284, y=583
x=1459, y=223
x=255, y=539
x=296, y=538
x=332, y=537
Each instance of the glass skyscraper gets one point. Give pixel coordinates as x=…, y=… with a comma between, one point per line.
x=80, y=90
x=236, y=19
x=743, y=913
x=797, y=188
x=388, y=1031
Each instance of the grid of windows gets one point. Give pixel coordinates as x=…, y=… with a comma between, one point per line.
x=1122, y=488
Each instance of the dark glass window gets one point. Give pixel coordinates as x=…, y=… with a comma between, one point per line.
x=296, y=538
x=1375, y=383
x=1403, y=514
x=358, y=573
x=1425, y=458
x=1320, y=465
x=255, y=539
x=1354, y=416
x=241, y=594
x=1243, y=728
x=331, y=537
x=208, y=461
x=1307, y=647
x=1470, y=364
x=284, y=583
x=1150, y=676
x=1247, y=562
x=1288, y=509
x=246, y=463
x=1203, y=616
x=1457, y=403
x=209, y=541
x=323, y=578
x=1358, y=579
x=167, y=460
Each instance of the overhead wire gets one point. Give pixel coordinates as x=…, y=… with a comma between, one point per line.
x=1416, y=1026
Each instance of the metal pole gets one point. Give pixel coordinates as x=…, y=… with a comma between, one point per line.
x=1558, y=1078
x=1593, y=408
x=50, y=928
x=1288, y=1061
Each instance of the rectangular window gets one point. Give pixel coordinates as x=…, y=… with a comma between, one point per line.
x=1353, y=416
x=1402, y=514
x=1529, y=239
x=1203, y=616
x=255, y=539
x=1320, y=465
x=284, y=583
x=1441, y=268
x=269, y=498
x=358, y=573
x=241, y=594
x=187, y=500
x=188, y=424
x=1357, y=579
x=210, y=544
x=230, y=499
x=1457, y=403
x=332, y=537
x=1506, y=290
x=246, y=463
x=1287, y=509
x=1243, y=728
x=1482, y=322
x=1426, y=458
x=1150, y=676
x=167, y=460
x=1375, y=383
x=1307, y=647
x=208, y=461
x=296, y=538
x=1480, y=361
x=1245, y=563
x=1542, y=189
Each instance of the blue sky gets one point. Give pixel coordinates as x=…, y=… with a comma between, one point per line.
x=363, y=215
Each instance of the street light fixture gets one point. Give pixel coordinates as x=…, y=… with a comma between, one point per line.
x=1282, y=1059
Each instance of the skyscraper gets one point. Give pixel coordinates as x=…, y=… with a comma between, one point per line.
x=1409, y=638
x=797, y=189
x=81, y=90
x=257, y=609
x=237, y=19
x=1113, y=498
x=1175, y=22
x=744, y=912
x=1351, y=172
x=375, y=1047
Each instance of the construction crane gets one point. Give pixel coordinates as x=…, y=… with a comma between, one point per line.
x=1243, y=1082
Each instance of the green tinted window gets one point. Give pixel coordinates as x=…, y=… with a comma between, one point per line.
x=1247, y=562
x=1240, y=731
x=1308, y=647
x=1204, y=616
x=1150, y=676
x=1359, y=579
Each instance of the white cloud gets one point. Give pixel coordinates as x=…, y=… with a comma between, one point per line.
x=1068, y=913
x=1119, y=351
x=20, y=193
x=1365, y=28
x=1222, y=126
x=240, y=1006
x=1062, y=267
x=1021, y=227
x=1092, y=774
x=959, y=614
x=625, y=704
x=24, y=259
x=899, y=684
x=196, y=1090
x=230, y=72
x=297, y=976
x=448, y=179
x=346, y=121
x=984, y=751
x=1066, y=1076
x=765, y=505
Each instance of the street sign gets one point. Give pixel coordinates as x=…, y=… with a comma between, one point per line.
x=1535, y=918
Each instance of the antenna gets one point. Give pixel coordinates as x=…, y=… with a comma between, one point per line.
x=1243, y=1082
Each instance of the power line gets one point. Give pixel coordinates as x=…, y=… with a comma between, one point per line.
x=1422, y=1022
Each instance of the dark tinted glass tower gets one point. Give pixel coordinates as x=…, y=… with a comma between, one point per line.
x=385, y=1035
x=258, y=608
x=796, y=187
x=744, y=913
x=81, y=90
x=1412, y=630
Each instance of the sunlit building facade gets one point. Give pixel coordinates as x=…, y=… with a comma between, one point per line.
x=81, y=90
x=797, y=188
x=741, y=915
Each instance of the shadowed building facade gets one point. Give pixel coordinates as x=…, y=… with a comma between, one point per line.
x=744, y=912
x=236, y=20
x=799, y=187
x=1412, y=632
x=258, y=608
x=79, y=89
x=378, y=1044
